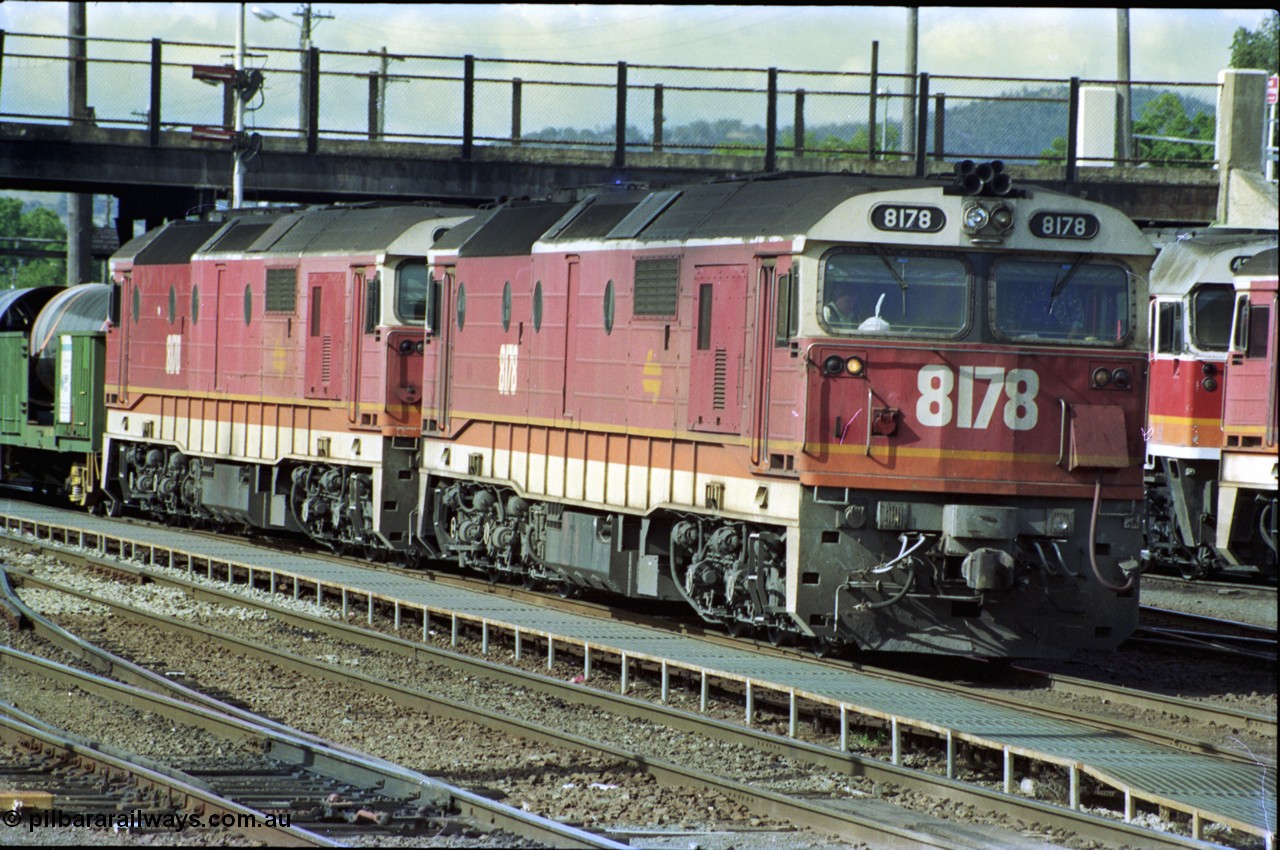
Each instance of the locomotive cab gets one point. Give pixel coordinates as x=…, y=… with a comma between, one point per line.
x=974, y=412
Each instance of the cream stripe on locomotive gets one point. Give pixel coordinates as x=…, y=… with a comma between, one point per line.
x=230, y=440
x=614, y=485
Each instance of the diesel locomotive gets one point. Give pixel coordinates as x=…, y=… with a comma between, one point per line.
x=1192, y=309
x=1247, y=488
x=642, y=393
x=873, y=413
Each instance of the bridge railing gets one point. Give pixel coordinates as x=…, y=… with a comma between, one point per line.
x=765, y=114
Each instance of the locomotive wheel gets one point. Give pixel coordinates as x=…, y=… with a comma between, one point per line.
x=567, y=590
x=779, y=636
x=824, y=647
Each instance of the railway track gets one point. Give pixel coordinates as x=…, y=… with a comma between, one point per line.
x=1165, y=627
x=55, y=780
x=817, y=755
x=794, y=810
x=943, y=676
x=297, y=776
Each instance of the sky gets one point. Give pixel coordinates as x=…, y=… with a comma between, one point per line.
x=1167, y=44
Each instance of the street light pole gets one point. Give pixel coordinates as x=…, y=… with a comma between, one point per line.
x=381, y=104
x=310, y=20
x=304, y=45
x=237, y=167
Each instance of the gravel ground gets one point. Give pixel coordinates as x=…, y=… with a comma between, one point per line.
x=532, y=779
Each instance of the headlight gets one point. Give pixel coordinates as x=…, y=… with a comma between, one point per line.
x=1101, y=377
x=406, y=346
x=1002, y=218
x=419, y=346
x=854, y=366
x=1121, y=378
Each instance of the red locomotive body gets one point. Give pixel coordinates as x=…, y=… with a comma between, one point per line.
x=644, y=393
x=1191, y=309
x=1247, y=489
x=265, y=370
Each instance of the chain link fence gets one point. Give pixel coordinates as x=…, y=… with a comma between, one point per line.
x=578, y=106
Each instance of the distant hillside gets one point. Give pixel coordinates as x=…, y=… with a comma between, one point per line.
x=1019, y=126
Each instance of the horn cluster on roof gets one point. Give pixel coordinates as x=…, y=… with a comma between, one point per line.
x=987, y=178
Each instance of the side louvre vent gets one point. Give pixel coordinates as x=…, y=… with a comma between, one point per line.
x=721, y=380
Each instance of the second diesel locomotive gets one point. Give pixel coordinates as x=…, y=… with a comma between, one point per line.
x=645, y=393
x=265, y=371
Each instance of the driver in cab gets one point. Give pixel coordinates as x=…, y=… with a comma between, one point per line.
x=838, y=312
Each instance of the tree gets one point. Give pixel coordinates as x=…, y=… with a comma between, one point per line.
x=1258, y=48
x=1164, y=120
x=17, y=229
x=1056, y=153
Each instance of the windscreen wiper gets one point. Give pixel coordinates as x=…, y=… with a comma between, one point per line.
x=1061, y=283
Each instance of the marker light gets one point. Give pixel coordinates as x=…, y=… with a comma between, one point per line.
x=976, y=218
x=854, y=366
x=1121, y=378
x=1101, y=377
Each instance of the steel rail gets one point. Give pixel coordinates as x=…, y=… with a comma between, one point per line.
x=1183, y=708
x=793, y=810
x=190, y=794
x=815, y=816
x=286, y=744
x=1173, y=706
x=131, y=549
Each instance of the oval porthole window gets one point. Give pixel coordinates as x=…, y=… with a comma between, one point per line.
x=506, y=306
x=136, y=306
x=537, y=306
x=462, y=305
x=173, y=302
x=608, y=308
x=248, y=303
x=195, y=304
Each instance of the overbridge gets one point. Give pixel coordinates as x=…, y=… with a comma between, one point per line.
x=180, y=175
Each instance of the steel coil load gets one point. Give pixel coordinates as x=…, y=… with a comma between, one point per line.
x=19, y=307
x=75, y=309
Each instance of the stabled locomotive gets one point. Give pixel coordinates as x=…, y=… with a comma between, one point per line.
x=896, y=415
x=264, y=371
x=1248, y=502
x=1191, y=315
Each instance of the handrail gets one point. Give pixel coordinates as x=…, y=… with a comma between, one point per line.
x=1062, y=433
x=869, y=418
